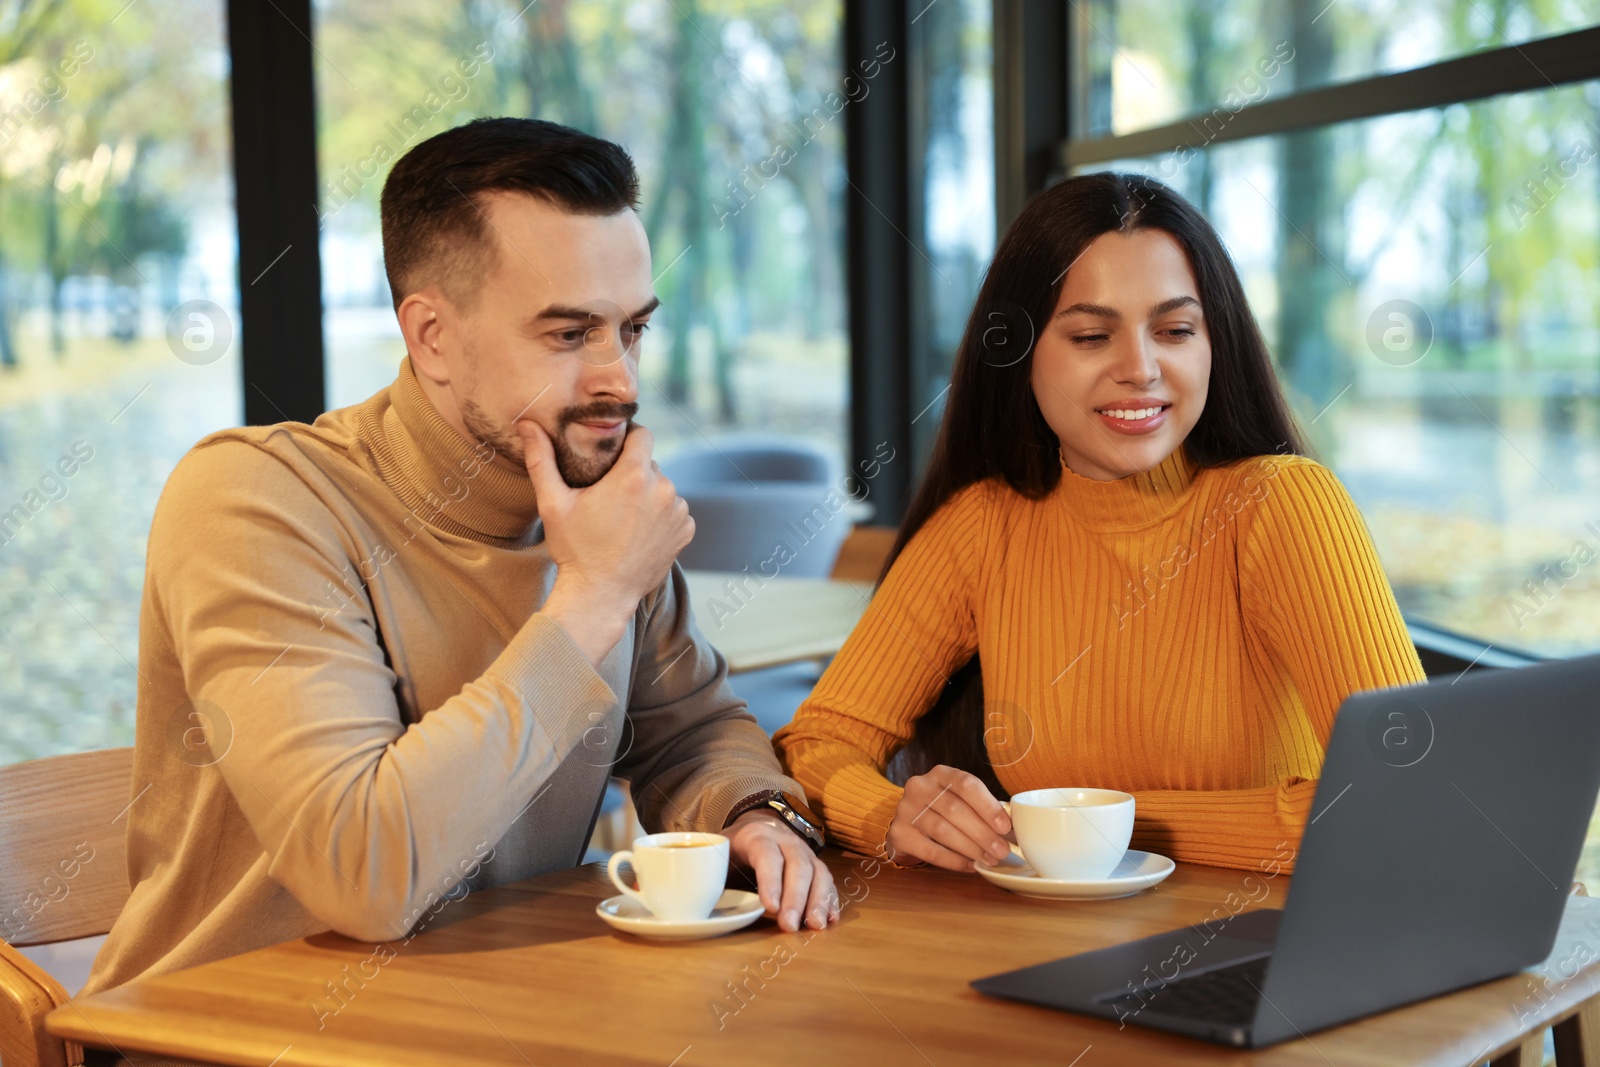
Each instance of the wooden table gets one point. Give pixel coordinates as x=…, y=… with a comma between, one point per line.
x=763, y=622
x=527, y=974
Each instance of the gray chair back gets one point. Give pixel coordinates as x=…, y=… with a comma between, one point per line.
x=772, y=505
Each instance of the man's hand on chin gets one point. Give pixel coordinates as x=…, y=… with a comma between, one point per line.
x=612, y=542
x=790, y=879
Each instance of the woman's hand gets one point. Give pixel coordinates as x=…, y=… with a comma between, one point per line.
x=949, y=818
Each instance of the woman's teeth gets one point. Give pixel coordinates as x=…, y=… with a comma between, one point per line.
x=1132, y=415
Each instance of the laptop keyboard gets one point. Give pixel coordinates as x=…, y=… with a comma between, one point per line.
x=1227, y=995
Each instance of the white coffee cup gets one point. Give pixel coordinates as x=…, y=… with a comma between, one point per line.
x=680, y=875
x=1073, y=833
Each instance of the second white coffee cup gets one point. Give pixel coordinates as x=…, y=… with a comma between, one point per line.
x=1069, y=833
x=680, y=875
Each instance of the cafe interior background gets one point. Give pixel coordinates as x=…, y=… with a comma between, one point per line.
x=1410, y=191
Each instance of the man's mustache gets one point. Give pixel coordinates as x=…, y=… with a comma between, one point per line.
x=600, y=409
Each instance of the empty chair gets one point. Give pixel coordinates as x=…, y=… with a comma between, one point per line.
x=774, y=505
x=63, y=876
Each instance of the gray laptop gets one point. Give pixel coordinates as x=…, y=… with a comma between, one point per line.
x=1439, y=854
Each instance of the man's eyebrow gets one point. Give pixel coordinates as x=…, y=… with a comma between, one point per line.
x=1104, y=312
x=560, y=313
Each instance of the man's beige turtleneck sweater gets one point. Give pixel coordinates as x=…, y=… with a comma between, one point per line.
x=348, y=702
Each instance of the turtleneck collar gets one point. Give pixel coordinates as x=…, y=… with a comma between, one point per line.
x=1128, y=503
x=451, y=483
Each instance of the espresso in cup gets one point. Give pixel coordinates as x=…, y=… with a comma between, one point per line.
x=1071, y=833
x=680, y=875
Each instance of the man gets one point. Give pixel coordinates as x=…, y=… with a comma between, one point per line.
x=395, y=655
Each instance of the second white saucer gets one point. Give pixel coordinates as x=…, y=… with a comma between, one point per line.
x=736, y=908
x=1137, y=872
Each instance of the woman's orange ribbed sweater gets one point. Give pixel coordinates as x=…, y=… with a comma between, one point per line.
x=1185, y=635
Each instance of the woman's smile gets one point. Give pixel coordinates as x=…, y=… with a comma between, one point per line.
x=1140, y=415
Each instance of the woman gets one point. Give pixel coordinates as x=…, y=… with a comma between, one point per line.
x=1119, y=522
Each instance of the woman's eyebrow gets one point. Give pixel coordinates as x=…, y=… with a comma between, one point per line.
x=1104, y=312
x=1099, y=310
x=1173, y=305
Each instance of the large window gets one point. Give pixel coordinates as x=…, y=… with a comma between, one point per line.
x=120, y=332
x=1145, y=63
x=117, y=336
x=732, y=112
x=1428, y=283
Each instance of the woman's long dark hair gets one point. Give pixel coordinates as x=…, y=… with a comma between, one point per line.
x=993, y=427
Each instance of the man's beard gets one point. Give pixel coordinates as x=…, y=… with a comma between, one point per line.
x=577, y=469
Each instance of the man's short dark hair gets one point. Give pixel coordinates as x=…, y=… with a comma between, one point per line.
x=434, y=229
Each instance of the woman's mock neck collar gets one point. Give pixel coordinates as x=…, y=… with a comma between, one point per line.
x=1127, y=503
x=460, y=486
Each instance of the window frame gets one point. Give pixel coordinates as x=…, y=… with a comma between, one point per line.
x=1544, y=63
x=274, y=132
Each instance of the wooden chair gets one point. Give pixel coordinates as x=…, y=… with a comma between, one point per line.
x=63, y=875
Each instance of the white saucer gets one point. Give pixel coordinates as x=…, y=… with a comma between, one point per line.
x=1137, y=872
x=735, y=908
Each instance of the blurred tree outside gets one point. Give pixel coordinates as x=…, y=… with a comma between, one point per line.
x=1475, y=454
x=92, y=182
x=115, y=207
x=719, y=103
x=1310, y=238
